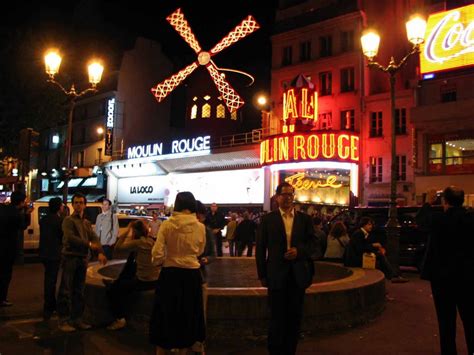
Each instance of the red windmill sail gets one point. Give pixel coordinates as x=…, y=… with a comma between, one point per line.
x=232, y=100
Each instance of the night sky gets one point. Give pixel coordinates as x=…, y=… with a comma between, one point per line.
x=104, y=28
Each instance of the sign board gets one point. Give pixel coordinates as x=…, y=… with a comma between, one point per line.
x=146, y=189
x=109, y=127
x=449, y=40
x=186, y=145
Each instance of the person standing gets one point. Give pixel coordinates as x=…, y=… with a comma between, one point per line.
x=78, y=238
x=154, y=224
x=245, y=235
x=285, y=243
x=177, y=320
x=50, y=244
x=230, y=234
x=14, y=218
x=107, y=228
x=449, y=266
x=216, y=221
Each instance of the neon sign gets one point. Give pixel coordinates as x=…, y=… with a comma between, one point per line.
x=302, y=106
x=300, y=182
x=109, y=124
x=339, y=146
x=449, y=40
x=187, y=145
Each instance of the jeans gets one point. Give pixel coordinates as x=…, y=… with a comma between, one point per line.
x=71, y=291
x=51, y=270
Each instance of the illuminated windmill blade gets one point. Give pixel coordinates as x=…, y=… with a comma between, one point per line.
x=163, y=89
x=248, y=26
x=232, y=100
x=179, y=23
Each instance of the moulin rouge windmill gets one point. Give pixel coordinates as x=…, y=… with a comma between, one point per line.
x=232, y=100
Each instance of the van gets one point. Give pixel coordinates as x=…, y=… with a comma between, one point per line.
x=32, y=232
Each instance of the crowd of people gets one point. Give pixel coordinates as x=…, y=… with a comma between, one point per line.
x=170, y=257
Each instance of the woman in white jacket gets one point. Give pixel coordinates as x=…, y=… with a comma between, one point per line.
x=177, y=321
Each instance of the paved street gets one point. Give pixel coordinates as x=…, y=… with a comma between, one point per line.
x=407, y=326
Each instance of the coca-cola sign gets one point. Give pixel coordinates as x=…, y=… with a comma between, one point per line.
x=449, y=40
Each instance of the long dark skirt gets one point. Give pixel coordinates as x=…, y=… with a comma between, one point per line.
x=177, y=320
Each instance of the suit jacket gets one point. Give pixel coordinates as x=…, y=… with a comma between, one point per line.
x=272, y=245
x=450, y=250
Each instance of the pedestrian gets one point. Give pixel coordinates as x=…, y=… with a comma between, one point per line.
x=216, y=221
x=138, y=241
x=285, y=243
x=337, y=241
x=154, y=224
x=14, y=218
x=245, y=235
x=230, y=234
x=50, y=245
x=78, y=239
x=177, y=320
x=362, y=242
x=107, y=228
x=449, y=266
x=207, y=257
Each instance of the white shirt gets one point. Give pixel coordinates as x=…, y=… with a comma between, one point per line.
x=288, y=218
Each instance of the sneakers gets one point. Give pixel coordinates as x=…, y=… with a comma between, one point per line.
x=66, y=327
x=82, y=326
x=399, y=280
x=117, y=324
x=6, y=303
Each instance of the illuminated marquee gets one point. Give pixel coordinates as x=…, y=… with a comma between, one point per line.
x=187, y=145
x=300, y=181
x=449, y=40
x=338, y=146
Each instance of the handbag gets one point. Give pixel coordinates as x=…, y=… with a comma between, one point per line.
x=130, y=268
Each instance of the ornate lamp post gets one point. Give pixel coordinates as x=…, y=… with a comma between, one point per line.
x=415, y=27
x=52, y=61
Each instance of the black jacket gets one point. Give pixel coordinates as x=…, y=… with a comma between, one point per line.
x=450, y=250
x=51, y=237
x=272, y=245
x=358, y=245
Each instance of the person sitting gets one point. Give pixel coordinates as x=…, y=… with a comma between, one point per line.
x=361, y=242
x=336, y=242
x=141, y=277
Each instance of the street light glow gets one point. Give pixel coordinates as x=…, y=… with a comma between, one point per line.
x=100, y=130
x=416, y=28
x=370, y=44
x=52, y=61
x=95, y=72
x=262, y=100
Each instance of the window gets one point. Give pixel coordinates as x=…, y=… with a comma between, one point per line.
x=287, y=58
x=325, y=121
x=206, y=111
x=325, y=46
x=305, y=51
x=220, y=112
x=401, y=163
x=347, y=79
x=233, y=115
x=454, y=156
x=194, y=110
x=376, y=120
x=80, y=158
x=348, y=120
x=375, y=169
x=325, y=83
x=400, y=121
x=448, y=93
x=347, y=41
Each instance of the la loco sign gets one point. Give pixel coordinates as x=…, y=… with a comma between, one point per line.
x=336, y=146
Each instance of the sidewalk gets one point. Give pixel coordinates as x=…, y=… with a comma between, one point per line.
x=407, y=326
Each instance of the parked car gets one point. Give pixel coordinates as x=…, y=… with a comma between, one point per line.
x=412, y=238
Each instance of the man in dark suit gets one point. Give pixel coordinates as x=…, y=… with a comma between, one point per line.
x=285, y=243
x=449, y=266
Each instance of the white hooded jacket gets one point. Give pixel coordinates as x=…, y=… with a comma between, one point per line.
x=181, y=239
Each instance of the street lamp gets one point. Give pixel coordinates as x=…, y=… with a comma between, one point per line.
x=415, y=27
x=52, y=60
